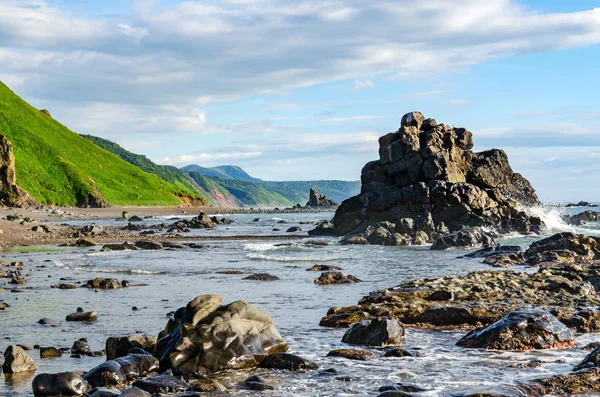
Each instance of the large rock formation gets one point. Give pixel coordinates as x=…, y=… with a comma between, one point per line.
x=427, y=174
x=207, y=336
x=316, y=200
x=11, y=195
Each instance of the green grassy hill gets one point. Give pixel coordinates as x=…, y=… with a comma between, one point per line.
x=57, y=166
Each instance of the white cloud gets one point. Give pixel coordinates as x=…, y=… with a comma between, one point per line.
x=459, y=102
x=362, y=84
x=346, y=119
x=204, y=158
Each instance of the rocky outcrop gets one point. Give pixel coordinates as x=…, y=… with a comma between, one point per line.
x=207, y=336
x=16, y=360
x=465, y=238
x=564, y=248
x=316, y=200
x=377, y=332
x=521, y=330
x=428, y=176
x=583, y=217
x=11, y=195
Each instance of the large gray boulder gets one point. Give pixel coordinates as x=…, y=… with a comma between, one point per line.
x=16, y=360
x=61, y=384
x=428, y=173
x=521, y=330
x=377, y=332
x=207, y=336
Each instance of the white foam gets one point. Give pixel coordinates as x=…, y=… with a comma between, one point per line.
x=281, y=258
x=260, y=247
x=552, y=219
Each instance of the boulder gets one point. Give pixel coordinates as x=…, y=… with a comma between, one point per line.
x=207, y=336
x=377, y=332
x=427, y=172
x=294, y=229
x=521, y=330
x=134, y=392
x=328, y=278
x=290, y=362
x=104, y=283
x=257, y=383
x=148, y=245
x=137, y=365
x=60, y=384
x=50, y=352
x=107, y=374
x=261, y=277
x=162, y=384
x=592, y=360
x=464, y=238
x=583, y=217
x=16, y=360
x=82, y=316
x=120, y=346
x=575, y=246
x=351, y=354
x=324, y=228
x=323, y=268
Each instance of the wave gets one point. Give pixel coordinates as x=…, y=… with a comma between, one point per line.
x=553, y=221
x=278, y=258
x=90, y=268
x=261, y=247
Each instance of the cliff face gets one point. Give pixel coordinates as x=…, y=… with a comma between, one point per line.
x=11, y=195
x=428, y=173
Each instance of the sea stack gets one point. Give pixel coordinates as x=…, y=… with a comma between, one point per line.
x=428, y=182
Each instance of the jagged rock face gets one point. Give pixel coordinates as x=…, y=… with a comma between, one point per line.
x=428, y=172
x=207, y=336
x=315, y=200
x=10, y=194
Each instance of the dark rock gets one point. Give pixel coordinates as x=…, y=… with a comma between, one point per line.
x=322, y=268
x=83, y=242
x=288, y=361
x=377, y=332
x=401, y=387
x=137, y=365
x=521, y=330
x=16, y=361
x=121, y=346
x=50, y=352
x=581, y=204
x=80, y=347
x=315, y=200
x=398, y=352
x=45, y=321
x=207, y=336
x=60, y=384
x=294, y=229
x=590, y=361
x=257, y=383
x=83, y=316
x=351, y=354
x=109, y=373
x=441, y=295
x=583, y=217
x=505, y=260
x=162, y=384
x=148, y=245
x=135, y=218
x=134, y=392
x=324, y=228
x=428, y=172
x=464, y=238
x=102, y=392
x=328, y=278
x=104, y=283
x=118, y=247
x=583, y=249
x=261, y=277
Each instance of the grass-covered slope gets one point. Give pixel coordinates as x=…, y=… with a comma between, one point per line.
x=169, y=174
x=222, y=171
x=57, y=166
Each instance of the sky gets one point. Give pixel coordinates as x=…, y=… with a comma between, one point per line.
x=302, y=90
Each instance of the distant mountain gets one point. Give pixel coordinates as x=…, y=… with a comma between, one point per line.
x=59, y=167
x=222, y=171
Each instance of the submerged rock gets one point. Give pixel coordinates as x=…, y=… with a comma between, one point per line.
x=322, y=268
x=351, y=354
x=428, y=173
x=288, y=361
x=83, y=316
x=162, y=384
x=207, y=336
x=377, y=332
x=261, y=277
x=464, y=238
x=521, y=330
x=325, y=228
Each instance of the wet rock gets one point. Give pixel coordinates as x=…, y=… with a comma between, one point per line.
x=590, y=361
x=118, y=247
x=207, y=336
x=102, y=392
x=401, y=387
x=398, y=352
x=135, y=218
x=60, y=384
x=584, y=381
x=229, y=272
x=45, y=321
x=134, y=392
x=16, y=361
x=121, y=346
x=328, y=278
x=289, y=362
x=80, y=347
x=583, y=217
x=376, y=332
x=294, y=229
x=351, y=354
x=65, y=286
x=325, y=228
x=50, y=352
x=83, y=242
x=521, y=330
x=83, y=316
x=441, y=295
x=495, y=250
x=104, y=283
x=261, y=277
x=90, y=230
x=137, y=365
x=584, y=248
x=464, y=238
x=162, y=384
x=109, y=373
x=505, y=260
x=148, y=245
x=591, y=346
x=322, y=268
x=257, y=383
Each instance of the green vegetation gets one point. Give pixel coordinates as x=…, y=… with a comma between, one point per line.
x=222, y=171
x=57, y=166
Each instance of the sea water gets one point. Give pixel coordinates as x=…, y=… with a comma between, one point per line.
x=296, y=304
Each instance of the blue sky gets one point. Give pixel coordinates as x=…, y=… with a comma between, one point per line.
x=303, y=90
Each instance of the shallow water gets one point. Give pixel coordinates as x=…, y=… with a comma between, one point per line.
x=295, y=303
